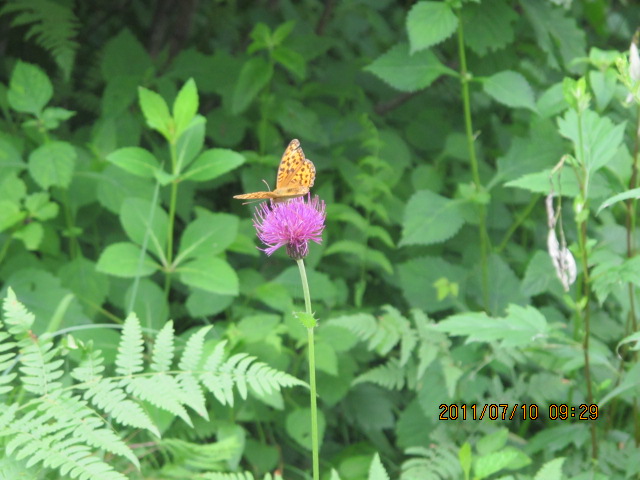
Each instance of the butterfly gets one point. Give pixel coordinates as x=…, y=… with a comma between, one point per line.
x=296, y=175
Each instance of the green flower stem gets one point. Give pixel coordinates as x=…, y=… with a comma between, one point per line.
x=465, y=78
x=312, y=373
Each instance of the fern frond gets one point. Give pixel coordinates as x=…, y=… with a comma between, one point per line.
x=16, y=316
x=226, y=476
x=390, y=375
x=129, y=360
x=241, y=370
x=203, y=457
x=160, y=390
x=162, y=356
x=439, y=463
x=38, y=367
x=7, y=361
x=192, y=394
x=192, y=353
x=54, y=27
x=107, y=396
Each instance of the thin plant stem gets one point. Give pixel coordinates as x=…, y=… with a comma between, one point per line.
x=584, y=313
x=172, y=215
x=468, y=124
x=312, y=374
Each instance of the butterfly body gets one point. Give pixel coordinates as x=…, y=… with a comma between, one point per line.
x=296, y=175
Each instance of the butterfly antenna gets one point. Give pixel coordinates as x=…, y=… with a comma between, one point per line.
x=265, y=182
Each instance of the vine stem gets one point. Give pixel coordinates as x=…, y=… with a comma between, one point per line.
x=312, y=373
x=468, y=124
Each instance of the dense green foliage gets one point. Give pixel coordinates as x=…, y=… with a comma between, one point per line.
x=457, y=144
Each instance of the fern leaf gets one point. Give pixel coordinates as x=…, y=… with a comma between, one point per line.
x=162, y=391
x=264, y=380
x=437, y=463
x=7, y=361
x=107, y=396
x=390, y=375
x=214, y=360
x=207, y=456
x=129, y=360
x=192, y=353
x=7, y=416
x=38, y=367
x=54, y=27
x=90, y=368
x=226, y=476
x=192, y=394
x=16, y=316
x=162, y=356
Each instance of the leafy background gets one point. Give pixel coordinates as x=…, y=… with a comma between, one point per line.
x=437, y=129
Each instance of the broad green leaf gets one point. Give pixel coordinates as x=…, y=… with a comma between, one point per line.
x=29, y=89
x=12, y=188
x=135, y=160
x=185, y=106
x=509, y=292
x=603, y=86
x=511, y=89
x=211, y=274
x=190, y=143
x=601, y=138
x=10, y=214
x=429, y=23
x=552, y=470
x=52, y=164
x=39, y=206
x=521, y=327
x=144, y=221
x=156, y=113
x=568, y=185
x=31, y=235
x=274, y=296
x=291, y=60
x=125, y=260
x=212, y=164
x=406, y=72
x=53, y=116
x=507, y=458
x=209, y=234
x=124, y=55
x=90, y=286
x=202, y=304
x=488, y=26
x=363, y=253
x=419, y=278
x=10, y=158
x=115, y=186
x=298, y=426
x=150, y=303
x=254, y=76
x=430, y=218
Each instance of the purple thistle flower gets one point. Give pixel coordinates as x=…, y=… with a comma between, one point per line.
x=292, y=223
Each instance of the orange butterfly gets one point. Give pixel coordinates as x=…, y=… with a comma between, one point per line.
x=296, y=175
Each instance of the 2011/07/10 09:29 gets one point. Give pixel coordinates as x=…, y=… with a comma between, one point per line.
x=504, y=411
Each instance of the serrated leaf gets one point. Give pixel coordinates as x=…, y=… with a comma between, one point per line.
x=212, y=164
x=211, y=274
x=29, y=89
x=125, y=260
x=135, y=160
x=142, y=221
x=488, y=25
x=52, y=164
x=156, y=112
x=430, y=218
x=209, y=234
x=254, y=76
x=406, y=72
x=185, y=106
x=429, y=23
x=511, y=89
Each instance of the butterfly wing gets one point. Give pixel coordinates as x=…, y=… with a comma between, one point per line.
x=296, y=174
x=255, y=195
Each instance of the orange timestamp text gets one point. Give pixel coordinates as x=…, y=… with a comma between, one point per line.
x=526, y=411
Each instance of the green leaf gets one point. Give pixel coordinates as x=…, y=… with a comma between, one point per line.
x=31, y=235
x=254, y=76
x=80, y=276
x=39, y=206
x=488, y=26
x=633, y=193
x=430, y=218
x=298, y=426
x=209, y=234
x=361, y=252
x=552, y=470
x=291, y=60
x=29, y=89
x=142, y=221
x=601, y=138
x=53, y=116
x=52, y=164
x=135, y=160
x=377, y=471
x=429, y=23
x=406, y=72
x=125, y=260
x=190, y=143
x=10, y=214
x=212, y=164
x=185, y=106
x=150, y=303
x=10, y=158
x=211, y=274
x=156, y=113
x=203, y=304
x=511, y=89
